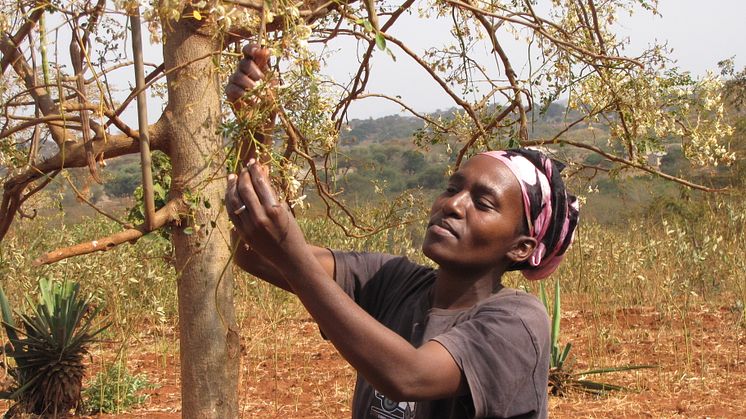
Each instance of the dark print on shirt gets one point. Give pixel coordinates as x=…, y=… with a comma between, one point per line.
x=383, y=408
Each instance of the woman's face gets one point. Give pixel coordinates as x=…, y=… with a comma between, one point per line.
x=477, y=220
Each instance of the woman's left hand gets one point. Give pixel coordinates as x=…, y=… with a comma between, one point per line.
x=262, y=222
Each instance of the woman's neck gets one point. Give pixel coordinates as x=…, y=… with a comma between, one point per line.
x=455, y=288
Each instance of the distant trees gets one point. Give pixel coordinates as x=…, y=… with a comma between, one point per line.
x=124, y=181
x=414, y=161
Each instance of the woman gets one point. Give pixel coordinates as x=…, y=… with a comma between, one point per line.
x=450, y=342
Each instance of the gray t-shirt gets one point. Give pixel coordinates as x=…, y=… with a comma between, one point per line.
x=501, y=344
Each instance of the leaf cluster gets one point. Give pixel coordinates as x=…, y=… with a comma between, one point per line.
x=52, y=338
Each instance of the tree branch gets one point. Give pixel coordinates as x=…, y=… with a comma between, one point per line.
x=625, y=162
x=509, y=72
x=10, y=43
x=72, y=154
x=169, y=213
x=403, y=105
x=40, y=94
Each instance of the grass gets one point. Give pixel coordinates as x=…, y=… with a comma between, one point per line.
x=660, y=289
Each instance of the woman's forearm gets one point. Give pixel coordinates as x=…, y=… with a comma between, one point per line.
x=259, y=266
x=391, y=364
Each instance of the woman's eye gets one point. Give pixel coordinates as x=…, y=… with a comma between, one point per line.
x=484, y=204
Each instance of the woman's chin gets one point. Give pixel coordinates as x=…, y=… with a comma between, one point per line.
x=434, y=252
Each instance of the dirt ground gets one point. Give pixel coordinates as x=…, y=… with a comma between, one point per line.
x=700, y=373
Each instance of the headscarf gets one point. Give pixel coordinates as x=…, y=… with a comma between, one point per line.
x=551, y=212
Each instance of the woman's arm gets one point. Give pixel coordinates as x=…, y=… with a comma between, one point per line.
x=254, y=263
x=391, y=364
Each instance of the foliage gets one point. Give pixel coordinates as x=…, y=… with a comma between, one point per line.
x=115, y=390
x=659, y=261
x=735, y=84
x=161, y=166
x=49, y=358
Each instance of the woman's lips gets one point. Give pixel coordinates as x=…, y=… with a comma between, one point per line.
x=441, y=231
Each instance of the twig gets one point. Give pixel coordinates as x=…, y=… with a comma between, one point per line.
x=626, y=162
x=403, y=105
x=359, y=82
x=39, y=94
x=86, y=201
x=496, y=120
x=25, y=29
x=509, y=72
x=78, y=52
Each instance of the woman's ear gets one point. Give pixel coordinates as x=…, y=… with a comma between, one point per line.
x=522, y=249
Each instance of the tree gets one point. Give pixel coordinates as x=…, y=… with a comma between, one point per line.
x=414, y=161
x=59, y=113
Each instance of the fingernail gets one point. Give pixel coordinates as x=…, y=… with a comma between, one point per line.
x=251, y=162
x=231, y=176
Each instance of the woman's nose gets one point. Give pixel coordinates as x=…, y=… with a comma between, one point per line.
x=454, y=205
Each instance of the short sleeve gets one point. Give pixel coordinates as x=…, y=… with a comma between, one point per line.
x=380, y=283
x=504, y=357
x=353, y=270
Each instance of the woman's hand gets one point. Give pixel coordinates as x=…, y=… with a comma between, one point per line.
x=263, y=222
x=249, y=72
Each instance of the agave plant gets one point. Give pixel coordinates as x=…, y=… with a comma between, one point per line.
x=48, y=349
x=562, y=378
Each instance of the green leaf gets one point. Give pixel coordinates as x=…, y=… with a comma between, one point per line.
x=564, y=355
x=7, y=317
x=615, y=369
x=367, y=25
x=556, y=313
x=189, y=231
x=391, y=54
x=597, y=387
x=159, y=192
x=380, y=41
x=543, y=296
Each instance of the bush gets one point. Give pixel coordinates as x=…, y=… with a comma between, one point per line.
x=115, y=390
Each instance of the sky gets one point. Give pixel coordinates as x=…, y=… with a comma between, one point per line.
x=700, y=33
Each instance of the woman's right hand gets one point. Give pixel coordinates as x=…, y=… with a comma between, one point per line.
x=249, y=72
x=263, y=222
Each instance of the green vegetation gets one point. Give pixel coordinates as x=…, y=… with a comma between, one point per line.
x=115, y=390
x=643, y=242
x=49, y=368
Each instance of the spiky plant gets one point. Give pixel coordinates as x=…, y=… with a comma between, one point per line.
x=562, y=378
x=48, y=349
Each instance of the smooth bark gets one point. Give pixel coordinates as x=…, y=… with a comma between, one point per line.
x=209, y=342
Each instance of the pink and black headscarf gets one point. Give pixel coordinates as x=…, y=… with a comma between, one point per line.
x=551, y=213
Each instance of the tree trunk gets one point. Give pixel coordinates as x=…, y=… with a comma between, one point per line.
x=209, y=342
